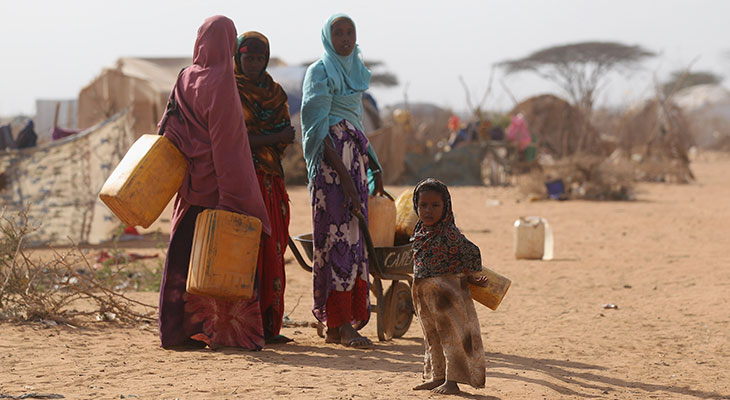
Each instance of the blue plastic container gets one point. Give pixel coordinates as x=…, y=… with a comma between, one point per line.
x=555, y=188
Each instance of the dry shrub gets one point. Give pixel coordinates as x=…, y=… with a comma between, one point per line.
x=587, y=177
x=45, y=290
x=532, y=184
x=662, y=169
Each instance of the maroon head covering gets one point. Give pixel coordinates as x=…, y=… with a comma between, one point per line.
x=211, y=132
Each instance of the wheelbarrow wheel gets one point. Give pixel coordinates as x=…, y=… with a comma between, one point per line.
x=403, y=310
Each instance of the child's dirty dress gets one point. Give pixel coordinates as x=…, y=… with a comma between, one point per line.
x=443, y=259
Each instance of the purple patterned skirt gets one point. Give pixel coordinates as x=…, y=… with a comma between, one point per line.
x=340, y=255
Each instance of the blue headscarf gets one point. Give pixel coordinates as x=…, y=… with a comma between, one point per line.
x=332, y=91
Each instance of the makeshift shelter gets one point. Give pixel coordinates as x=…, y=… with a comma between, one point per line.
x=429, y=124
x=141, y=85
x=461, y=166
x=389, y=143
x=655, y=126
x=557, y=125
x=58, y=183
x=656, y=134
x=707, y=109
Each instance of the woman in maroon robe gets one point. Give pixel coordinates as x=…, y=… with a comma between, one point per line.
x=207, y=126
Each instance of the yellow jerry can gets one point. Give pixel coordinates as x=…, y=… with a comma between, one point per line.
x=381, y=220
x=145, y=180
x=492, y=294
x=406, y=217
x=224, y=255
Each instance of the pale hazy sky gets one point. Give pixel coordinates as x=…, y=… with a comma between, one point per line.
x=51, y=49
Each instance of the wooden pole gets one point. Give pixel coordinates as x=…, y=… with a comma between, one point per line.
x=55, y=116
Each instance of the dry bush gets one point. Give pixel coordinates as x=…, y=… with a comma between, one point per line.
x=663, y=169
x=587, y=177
x=45, y=290
x=657, y=136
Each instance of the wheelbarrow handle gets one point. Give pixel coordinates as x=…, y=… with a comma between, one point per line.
x=373, y=258
x=298, y=255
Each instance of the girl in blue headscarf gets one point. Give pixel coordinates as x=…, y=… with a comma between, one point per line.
x=340, y=164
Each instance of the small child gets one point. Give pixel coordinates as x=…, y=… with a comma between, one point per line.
x=445, y=262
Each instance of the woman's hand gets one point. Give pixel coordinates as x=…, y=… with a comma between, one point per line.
x=287, y=135
x=379, y=190
x=348, y=186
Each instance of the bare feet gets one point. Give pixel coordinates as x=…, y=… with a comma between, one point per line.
x=333, y=335
x=449, y=387
x=351, y=338
x=430, y=384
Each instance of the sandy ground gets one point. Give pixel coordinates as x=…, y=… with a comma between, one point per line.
x=663, y=259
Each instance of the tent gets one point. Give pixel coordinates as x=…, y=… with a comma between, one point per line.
x=707, y=108
x=58, y=183
x=141, y=85
x=556, y=124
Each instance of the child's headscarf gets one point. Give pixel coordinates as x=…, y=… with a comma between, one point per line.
x=441, y=248
x=332, y=91
x=264, y=102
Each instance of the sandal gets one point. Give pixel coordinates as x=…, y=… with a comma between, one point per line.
x=358, y=343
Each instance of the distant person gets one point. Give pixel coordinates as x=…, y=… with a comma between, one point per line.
x=517, y=132
x=339, y=161
x=269, y=133
x=27, y=136
x=444, y=263
x=206, y=123
x=6, y=137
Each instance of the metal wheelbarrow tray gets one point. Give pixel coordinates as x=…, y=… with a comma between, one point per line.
x=394, y=308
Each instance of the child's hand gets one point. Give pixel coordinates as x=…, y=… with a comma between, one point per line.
x=479, y=280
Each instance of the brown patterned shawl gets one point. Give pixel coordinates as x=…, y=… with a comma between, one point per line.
x=265, y=106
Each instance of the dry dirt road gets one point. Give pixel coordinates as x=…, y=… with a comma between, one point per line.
x=663, y=260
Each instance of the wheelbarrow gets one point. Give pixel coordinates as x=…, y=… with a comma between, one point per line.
x=394, y=308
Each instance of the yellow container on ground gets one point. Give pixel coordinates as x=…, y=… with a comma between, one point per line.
x=145, y=180
x=224, y=255
x=381, y=220
x=492, y=294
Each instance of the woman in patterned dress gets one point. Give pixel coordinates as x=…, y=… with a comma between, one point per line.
x=340, y=166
